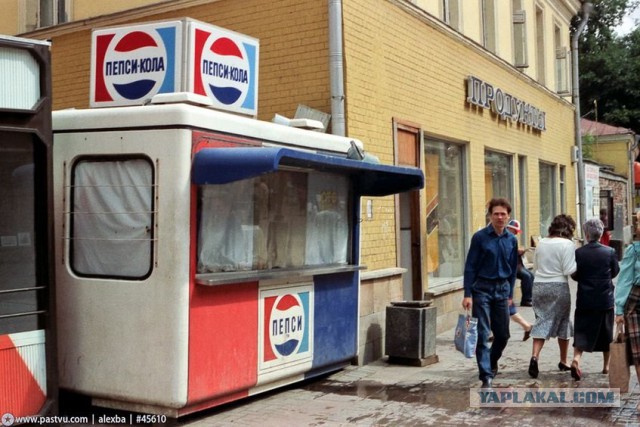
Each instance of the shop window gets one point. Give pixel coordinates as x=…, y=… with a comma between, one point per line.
x=285, y=219
x=548, y=203
x=112, y=217
x=563, y=189
x=446, y=211
x=519, y=21
x=498, y=175
x=523, y=210
x=489, y=37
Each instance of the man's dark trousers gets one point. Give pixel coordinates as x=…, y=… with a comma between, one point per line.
x=491, y=308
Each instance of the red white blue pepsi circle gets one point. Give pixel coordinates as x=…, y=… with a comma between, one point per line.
x=225, y=71
x=135, y=65
x=132, y=64
x=287, y=325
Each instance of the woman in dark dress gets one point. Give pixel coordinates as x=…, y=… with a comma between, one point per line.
x=593, y=320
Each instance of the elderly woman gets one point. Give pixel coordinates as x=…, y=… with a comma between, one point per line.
x=554, y=261
x=593, y=319
x=627, y=295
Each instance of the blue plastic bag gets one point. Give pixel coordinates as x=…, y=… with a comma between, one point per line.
x=466, y=336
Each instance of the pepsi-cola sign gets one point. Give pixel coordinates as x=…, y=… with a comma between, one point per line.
x=132, y=64
x=129, y=65
x=286, y=328
x=224, y=67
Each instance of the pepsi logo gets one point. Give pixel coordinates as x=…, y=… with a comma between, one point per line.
x=286, y=325
x=225, y=71
x=134, y=65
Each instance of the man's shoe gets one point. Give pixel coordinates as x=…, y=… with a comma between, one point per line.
x=487, y=383
x=533, y=368
x=526, y=304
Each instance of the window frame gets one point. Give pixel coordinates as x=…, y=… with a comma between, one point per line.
x=152, y=212
x=313, y=177
x=434, y=142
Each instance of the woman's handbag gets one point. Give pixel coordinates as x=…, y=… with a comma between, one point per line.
x=466, y=335
x=619, y=362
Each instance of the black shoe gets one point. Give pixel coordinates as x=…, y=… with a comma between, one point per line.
x=533, y=368
x=526, y=304
x=487, y=383
x=527, y=334
x=494, y=369
x=576, y=373
x=563, y=367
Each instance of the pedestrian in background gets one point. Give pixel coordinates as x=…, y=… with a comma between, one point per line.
x=523, y=274
x=593, y=319
x=489, y=277
x=606, y=234
x=627, y=295
x=554, y=261
x=526, y=283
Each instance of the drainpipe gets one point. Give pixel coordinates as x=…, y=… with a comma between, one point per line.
x=582, y=210
x=631, y=205
x=336, y=70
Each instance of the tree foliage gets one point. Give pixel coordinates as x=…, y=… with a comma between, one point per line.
x=609, y=66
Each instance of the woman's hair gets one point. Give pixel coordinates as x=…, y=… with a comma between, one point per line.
x=593, y=229
x=562, y=226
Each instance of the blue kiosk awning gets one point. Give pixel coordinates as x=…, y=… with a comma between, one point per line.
x=224, y=165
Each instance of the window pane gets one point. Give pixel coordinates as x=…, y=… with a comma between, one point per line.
x=497, y=172
x=17, y=232
x=280, y=220
x=547, y=197
x=489, y=24
x=112, y=218
x=445, y=209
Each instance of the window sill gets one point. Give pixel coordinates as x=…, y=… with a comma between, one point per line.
x=216, y=279
x=443, y=288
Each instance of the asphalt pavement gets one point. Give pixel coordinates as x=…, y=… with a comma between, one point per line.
x=384, y=394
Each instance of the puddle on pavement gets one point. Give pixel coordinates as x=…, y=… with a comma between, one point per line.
x=451, y=397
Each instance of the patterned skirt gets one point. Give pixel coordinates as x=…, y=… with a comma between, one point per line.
x=632, y=323
x=552, y=307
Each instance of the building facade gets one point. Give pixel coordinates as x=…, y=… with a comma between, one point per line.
x=614, y=151
x=475, y=96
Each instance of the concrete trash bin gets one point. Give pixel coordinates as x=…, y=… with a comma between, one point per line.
x=410, y=336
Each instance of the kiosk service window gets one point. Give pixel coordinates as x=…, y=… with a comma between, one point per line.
x=281, y=220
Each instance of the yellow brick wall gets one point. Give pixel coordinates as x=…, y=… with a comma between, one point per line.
x=293, y=53
x=398, y=66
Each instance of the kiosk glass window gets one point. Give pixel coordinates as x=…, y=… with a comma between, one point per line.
x=19, y=287
x=112, y=217
x=285, y=219
x=445, y=189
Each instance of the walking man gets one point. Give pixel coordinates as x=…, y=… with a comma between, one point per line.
x=489, y=279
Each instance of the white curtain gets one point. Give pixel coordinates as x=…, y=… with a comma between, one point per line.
x=112, y=218
x=280, y=220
